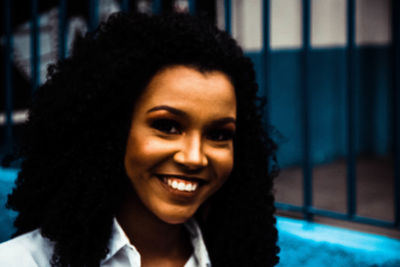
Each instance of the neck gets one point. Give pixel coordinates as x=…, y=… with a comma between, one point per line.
x=151, y=236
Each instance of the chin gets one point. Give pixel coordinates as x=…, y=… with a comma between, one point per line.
x=174, y=216
x=176, y=220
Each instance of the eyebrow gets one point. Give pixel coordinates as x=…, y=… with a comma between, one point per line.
x=223, y=121
x=168, y=108
x=182, y=113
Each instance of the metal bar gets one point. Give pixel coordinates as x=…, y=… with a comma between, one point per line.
x=371, y=221
x=62, y=35
x=288, y=207
x=228, y=16
x=192, y=7
x=336, y=215
x=156, y=5
x=8, y=75
x=93, y=14
x=125, y=5
x=266, y=53
x=356, y=219
x=265, y=57
x=325, y=213
x=351, y=157
x=329, y=213
x=35, y=48
x=396, y=106
x=307, y=166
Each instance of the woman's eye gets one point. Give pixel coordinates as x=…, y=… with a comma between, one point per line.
x=166, y=126
x=220, y=135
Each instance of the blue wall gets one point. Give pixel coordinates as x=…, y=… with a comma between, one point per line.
x=7, y=178
x=327, y=98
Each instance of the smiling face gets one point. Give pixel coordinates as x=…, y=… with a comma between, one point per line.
x=180, y=145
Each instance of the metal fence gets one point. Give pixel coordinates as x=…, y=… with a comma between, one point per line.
x=307, y=208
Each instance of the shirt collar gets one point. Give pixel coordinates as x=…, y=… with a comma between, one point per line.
x=200, y=255
x=118, y=240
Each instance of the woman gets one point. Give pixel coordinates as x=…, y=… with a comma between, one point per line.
x=146, y=148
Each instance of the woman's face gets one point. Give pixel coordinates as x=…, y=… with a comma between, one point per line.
x=180, y=145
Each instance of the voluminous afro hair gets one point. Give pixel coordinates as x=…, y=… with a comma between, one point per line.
x=72, y=177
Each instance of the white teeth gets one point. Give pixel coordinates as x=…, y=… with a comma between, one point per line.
x=188, y=187
x=181, y=186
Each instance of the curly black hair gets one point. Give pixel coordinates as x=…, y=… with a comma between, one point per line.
x=72, y=176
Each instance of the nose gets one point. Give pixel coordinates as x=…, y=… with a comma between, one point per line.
x=191, y=154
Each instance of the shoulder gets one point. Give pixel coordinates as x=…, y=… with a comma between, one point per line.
x=30, y=249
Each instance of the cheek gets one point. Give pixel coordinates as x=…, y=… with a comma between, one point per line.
x=145, y=152
x=223, y=164
x=137, y=153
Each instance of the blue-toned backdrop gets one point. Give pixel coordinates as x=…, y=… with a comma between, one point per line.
x=327, y=99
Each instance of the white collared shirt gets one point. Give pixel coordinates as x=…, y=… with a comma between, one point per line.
x=32, y=249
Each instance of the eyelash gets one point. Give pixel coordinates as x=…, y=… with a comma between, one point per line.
x=172, y=127
x=167, y=126
x=220, y=135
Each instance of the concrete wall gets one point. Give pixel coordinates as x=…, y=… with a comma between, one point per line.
x=328, y=23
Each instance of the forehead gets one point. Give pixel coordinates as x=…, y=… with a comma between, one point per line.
x=186, y=87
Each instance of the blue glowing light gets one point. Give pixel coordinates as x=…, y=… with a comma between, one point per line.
x=311, y=244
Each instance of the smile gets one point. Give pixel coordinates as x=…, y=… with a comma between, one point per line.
x=181, y=184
